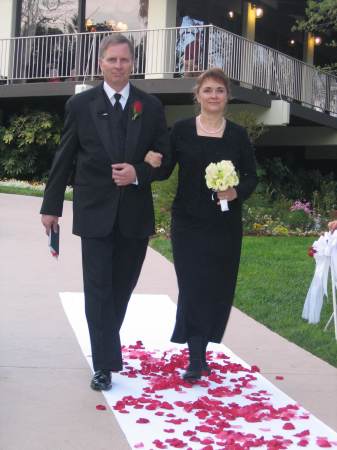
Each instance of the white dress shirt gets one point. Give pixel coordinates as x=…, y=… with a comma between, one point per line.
x=110, y=92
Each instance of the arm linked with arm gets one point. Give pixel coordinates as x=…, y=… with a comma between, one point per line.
x=145, y=172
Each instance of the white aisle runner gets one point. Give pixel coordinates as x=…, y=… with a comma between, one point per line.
x=235, y=408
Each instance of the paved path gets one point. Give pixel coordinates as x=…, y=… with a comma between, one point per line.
x=46, y=403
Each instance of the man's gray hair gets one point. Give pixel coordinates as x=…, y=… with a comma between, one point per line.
x=114, y=39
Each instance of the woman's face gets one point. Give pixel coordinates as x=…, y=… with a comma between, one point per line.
x=212, y=96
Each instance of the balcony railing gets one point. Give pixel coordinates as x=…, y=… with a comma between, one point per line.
x=172, y=52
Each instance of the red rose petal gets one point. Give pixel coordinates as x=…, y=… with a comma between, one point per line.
x=279, y=377
x=159, y=444
x=303, y=443
x=100, y=407
x=303, y=433
x=176, y=443
x=142, y=420
x=176, y=421
x=288, y=426
x=189, y=433
x=207, y=441
x=323, y=442
x=166, y=405
x=201, y=414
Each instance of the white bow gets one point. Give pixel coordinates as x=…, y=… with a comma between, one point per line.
x=325, y=255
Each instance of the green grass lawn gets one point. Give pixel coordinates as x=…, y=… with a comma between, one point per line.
x=36, y=192
x=21, y=191
x=274, y=277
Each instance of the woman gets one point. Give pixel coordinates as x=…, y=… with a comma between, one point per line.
x=206, y=242
x=332, y=226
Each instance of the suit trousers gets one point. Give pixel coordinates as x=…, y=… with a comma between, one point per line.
x=111, y=268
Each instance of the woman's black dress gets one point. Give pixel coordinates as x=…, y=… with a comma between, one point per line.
x=206, y=241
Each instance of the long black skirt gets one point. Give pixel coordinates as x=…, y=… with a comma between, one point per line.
x=206, y=258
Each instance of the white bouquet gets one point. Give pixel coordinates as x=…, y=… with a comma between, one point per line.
x=221, y=176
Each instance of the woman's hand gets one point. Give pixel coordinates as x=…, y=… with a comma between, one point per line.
x=229, y=194
x=153, y=158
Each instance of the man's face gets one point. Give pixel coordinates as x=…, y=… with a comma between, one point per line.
x=116, y=65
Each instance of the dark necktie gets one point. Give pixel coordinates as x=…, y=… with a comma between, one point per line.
x=117, y=106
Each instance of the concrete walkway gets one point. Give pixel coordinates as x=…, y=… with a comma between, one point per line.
x=45, y=400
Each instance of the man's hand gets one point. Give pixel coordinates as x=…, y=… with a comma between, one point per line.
x=48, y=222
x=332, y=225
x=153, y=158
x=229, y=194
x=123, y=174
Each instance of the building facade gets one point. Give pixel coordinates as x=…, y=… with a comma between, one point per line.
x=47, y=47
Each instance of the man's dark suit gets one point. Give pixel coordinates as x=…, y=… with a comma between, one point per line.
x=114, y=223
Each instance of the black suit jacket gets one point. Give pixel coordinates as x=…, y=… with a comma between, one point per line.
x=89, y=140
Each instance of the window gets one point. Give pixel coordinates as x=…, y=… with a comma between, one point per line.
x=116, y=15
x=40, y=17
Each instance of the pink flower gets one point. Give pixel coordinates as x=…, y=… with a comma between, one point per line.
x=301, y=206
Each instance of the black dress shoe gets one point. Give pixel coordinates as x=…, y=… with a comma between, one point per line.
x=205, y=369
x=101, y=381
x=193, y=371
x=191, y=375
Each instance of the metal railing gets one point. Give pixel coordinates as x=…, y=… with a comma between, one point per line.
x=171, y=52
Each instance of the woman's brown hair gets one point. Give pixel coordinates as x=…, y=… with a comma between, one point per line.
x=215, y=74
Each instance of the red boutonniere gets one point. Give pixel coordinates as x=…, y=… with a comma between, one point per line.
x=137, y=109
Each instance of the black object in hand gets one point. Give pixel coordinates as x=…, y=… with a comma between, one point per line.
x=54, y=241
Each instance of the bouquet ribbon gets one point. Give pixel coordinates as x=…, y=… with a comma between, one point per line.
x=224, y=205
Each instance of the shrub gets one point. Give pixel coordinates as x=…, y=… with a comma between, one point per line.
x=325, y=198
x=248, y=120
x=299, y=219
x=28, y=144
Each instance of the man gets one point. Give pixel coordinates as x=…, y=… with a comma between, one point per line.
x=107, y=132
